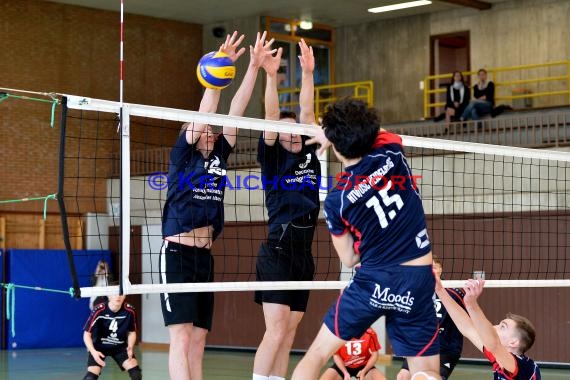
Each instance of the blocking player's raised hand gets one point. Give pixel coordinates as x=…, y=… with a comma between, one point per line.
x=320, y=139
x=272, y=63
x=231, y=45
x=261, y=50
x=306, y=59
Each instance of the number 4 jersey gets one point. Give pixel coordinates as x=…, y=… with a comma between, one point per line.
x=356, y=352
x=378, y=202
x=110, y=329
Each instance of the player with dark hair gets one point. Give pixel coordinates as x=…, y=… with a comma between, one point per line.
x=504, y=345
x=193, y=217
x=291, y=171
x=375, y=217
x=111, y=331
x=357, y=358
x=450, y=338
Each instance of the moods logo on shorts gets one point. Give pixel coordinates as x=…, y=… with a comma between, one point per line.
x=386, y=300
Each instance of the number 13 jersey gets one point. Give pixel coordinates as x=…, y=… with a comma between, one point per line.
x=378, y=202
x=356, y=352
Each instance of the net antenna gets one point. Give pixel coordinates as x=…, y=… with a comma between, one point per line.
x=125, y=175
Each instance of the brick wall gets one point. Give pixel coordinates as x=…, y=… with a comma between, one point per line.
x=52, y=47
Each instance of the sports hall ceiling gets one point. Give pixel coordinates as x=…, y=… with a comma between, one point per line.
x=331, y=12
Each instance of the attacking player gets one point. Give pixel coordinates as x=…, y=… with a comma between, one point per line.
x=450, y=338
x=193, y=217
x=293, y=210
x=357, y=358
x=375, y=217
x=111, y=331
x=504, y=345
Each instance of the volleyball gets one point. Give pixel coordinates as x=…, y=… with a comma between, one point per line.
x=215, y=70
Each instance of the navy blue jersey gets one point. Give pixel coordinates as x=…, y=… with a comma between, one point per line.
x=196, y=187
x=290, y=181
x=377, y=201
x=526, y=368
x=450, y=338
x=110, y=329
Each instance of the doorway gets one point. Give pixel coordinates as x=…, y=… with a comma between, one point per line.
x=448, y=52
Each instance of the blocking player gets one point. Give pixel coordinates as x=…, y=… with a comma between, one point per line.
x=193, y=217
x=450, y=338
x=357, y=358
x=111, y=331
x=504, y=345
x=291, y=170
x=375, y=217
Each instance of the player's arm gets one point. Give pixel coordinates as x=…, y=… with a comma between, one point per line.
x=211, y=97
x=458, y=315
x=369, y=364
x=131, y=341
x=344, y=245
x=307, y=95
x=271, y=66
x=88, y=341
x=340, y=364
x=488, y=335
x=258, y=53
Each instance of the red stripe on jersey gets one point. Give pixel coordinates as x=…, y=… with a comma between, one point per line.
x=497, y=367
x=357, y=234
x=430, y=342
x=336, y=316
x=132, y=311
x=385, y=138
x=459, y=298
x=92, y=319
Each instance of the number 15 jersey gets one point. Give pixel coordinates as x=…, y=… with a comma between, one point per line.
x=378, y=202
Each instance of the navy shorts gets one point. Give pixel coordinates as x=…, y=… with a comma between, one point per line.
x=286, y=256
x=404, y=294
x=183, y=264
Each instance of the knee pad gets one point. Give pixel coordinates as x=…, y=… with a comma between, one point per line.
x=90, y=376
x=135, y=373
x=422, y=376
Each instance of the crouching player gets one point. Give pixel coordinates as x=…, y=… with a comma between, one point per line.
x=111, y=331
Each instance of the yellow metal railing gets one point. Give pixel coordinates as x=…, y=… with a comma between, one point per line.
x=559, y=84
x=324, y=95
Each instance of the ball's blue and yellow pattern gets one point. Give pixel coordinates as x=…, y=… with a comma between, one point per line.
x=215, y=70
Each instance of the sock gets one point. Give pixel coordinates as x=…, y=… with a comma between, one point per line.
x=90, y=376
x=276, y=378
x=259, y=377
x=135, y=373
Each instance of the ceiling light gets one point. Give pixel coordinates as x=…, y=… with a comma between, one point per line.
x=395, y=7
x=306, y=25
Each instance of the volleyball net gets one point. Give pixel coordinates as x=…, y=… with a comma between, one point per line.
x=496, y=212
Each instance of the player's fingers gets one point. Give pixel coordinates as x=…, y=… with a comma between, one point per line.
x=239, y=53
x=239, y=40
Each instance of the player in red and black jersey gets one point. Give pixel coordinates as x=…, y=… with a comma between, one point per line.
x=450, y=338
x=356, y=359
x=111, y=331
x=504, y=345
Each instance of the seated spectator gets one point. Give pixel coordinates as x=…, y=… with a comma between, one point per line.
x=458, y=96
x=484, y=94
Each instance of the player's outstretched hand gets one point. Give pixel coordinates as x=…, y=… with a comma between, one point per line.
x=307, y=59
x=320, y=139
x=98, y=356
x=272, y=63
x=261, y=50
x=230, y=46
x=473, y=289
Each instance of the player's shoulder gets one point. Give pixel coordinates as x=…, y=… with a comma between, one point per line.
x=386, y=139
x=99, y=306
x=129, y=306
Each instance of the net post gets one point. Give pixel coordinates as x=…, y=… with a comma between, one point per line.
x=125, y=218
x=61, y=201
